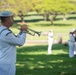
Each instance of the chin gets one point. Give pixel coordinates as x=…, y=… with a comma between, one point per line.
x=11, y=24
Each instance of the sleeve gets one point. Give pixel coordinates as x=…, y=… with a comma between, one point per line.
x=11, y=39
x=72, y=38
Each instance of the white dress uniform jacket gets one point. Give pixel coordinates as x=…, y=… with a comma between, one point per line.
x=8, y=43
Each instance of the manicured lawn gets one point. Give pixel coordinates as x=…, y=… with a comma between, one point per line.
x=34, y=60
x=61, y=27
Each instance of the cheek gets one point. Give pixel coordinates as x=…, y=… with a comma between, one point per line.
x=11, y=20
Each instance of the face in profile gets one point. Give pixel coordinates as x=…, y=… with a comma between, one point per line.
x=10, y=21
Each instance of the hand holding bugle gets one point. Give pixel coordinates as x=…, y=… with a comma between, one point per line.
x=28, y=30
x=23, y=28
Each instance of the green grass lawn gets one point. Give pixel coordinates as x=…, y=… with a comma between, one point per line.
x=34, y=60
x=61, y=27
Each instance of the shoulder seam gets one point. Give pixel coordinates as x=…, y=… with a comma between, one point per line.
x=8, y=33
x=2, y=30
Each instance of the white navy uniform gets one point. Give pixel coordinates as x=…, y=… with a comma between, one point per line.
x=50, y=41
x=71, y=45
x=8, y=43
x=75, y=46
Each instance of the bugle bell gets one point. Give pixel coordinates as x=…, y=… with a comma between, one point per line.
x=34, y=32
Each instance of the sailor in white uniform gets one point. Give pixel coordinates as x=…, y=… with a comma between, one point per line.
x=50, y=41
x=72, y=43
x=8, y=43
x=75, y=43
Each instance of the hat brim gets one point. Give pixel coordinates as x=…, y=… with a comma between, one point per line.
x=6, y=14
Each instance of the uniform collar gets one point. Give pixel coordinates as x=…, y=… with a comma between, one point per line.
x=3, y=27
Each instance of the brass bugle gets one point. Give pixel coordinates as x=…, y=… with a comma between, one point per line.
x=38, y=33
x=31, y=31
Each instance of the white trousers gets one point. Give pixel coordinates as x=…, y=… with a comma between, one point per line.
x=75, y=50
x=71, y=49
x=7, y=69
x=50, y=46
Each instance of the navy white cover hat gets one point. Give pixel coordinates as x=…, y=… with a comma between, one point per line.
x=6, y=14
x=73, y=30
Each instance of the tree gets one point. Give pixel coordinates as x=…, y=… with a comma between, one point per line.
x=8, y=5
x=23, y=7
x=53, y=7
x=18, y=7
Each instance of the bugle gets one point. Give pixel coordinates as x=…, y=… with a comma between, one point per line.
x=30, y=31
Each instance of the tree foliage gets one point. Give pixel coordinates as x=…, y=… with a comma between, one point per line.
x=45, y=7
x=53, y=7
x=62, y=6
x=18, y=7
x=8, y=5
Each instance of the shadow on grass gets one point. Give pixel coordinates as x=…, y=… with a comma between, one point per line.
x=69, y=18
x=34, y=60
x=33, y=15
x=30, y=20
x=44, y=23
x=40, y=24
x=62, y=24
x=34, y=20
x=74, y=17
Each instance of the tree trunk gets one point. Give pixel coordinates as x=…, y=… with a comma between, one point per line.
x=22, y=18
x=52, y=21
x=46, y=16
x=20, y=14
x=53, y=18
x=64, y=17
